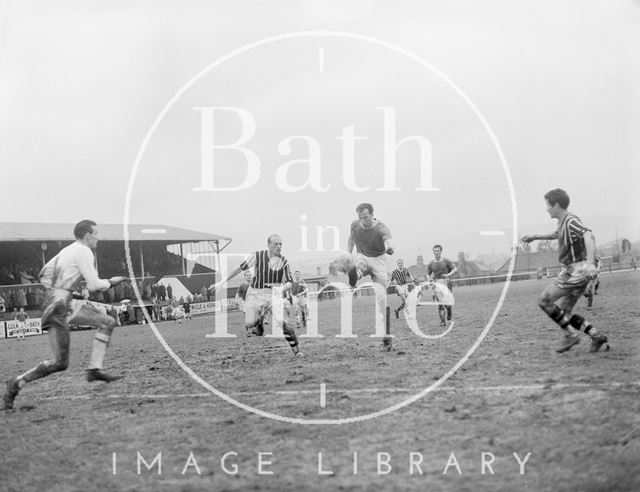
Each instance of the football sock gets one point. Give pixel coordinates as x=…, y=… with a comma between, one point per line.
x=559, y=316
x=581, y=324
x=100, y=344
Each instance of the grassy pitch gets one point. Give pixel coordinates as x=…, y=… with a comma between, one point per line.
x=575, y=413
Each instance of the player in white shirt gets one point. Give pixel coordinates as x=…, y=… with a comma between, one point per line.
x=61, y=276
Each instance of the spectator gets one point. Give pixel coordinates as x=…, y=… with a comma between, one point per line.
x=22, y=299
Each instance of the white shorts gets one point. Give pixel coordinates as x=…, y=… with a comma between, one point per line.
x=402, y=290
x=262, y=301
x=376, y=266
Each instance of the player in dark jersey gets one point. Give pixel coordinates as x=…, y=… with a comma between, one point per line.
x=577, y=247
x=440, y=270
x=402, y=279
x=271, y=270
x=299, y=298
x=241, y=293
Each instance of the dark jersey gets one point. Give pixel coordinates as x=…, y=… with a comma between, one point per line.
x=242, y=290
x=438, y=269
x=370, y=242
x=298, y=288
x=571, y=243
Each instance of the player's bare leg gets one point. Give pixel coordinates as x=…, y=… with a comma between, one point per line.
x=59, y=342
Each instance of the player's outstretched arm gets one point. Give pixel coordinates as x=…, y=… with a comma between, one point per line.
x=218, y=285
x=116, y=280
x=539, y=237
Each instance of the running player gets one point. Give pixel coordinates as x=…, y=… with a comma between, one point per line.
x=61, y=276
x=299, y=298
x=271, y=270
x=241, y=293
x=440, y=271
x=577, y=248
x=402, y=280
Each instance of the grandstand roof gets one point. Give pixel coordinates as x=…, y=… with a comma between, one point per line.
x=531, y=261
x=34, y=231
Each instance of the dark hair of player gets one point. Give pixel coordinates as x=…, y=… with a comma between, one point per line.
x=438, y=246
x=557, y=196
x=364, y=206
x=83, y=227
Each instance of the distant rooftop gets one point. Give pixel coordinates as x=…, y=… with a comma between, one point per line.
x=42, y=231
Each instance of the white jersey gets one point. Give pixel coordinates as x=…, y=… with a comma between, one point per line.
x=72, y=264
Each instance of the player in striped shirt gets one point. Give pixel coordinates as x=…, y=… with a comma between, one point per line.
x=401, y=278
x=577, y=247
x=271, y=269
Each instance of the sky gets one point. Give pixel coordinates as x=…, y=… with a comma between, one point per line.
x=120, y=111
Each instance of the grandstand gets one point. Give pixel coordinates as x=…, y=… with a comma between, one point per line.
x=156, y=251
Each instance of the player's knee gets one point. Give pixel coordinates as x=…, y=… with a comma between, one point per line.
x=109, y=323
x=544, y=300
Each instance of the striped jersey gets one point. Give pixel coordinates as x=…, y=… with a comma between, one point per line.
x=571, y=243
x=401, y=276
x=268, y=271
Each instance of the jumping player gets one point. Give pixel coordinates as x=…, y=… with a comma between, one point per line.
x=577, y=247
x=441, y=269
x=372, y=240
x=61, y=276
x=402, y=280
x=271, y=270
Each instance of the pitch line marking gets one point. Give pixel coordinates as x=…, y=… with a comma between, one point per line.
x=479, y=389
x=629, y=434
x=323, y=395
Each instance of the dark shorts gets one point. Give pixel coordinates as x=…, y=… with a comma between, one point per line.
x=57, y=308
